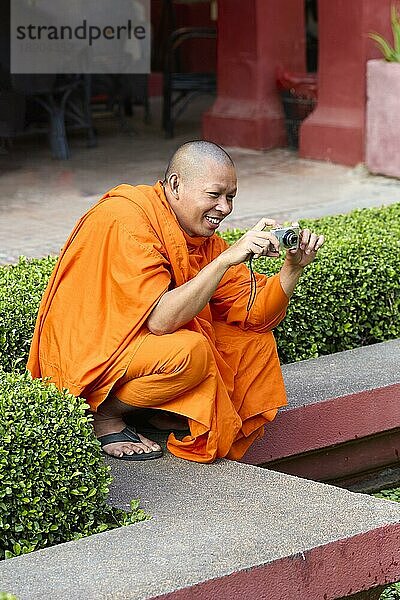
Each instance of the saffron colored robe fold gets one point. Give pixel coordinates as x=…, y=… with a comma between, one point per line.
x=121, y=257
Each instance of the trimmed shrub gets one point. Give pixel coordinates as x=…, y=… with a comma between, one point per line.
x=391, y=593
x=54, y=482
x=390, y=494
x=21, y=289
x=349, y=296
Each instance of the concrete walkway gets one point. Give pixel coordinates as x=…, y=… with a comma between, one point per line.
x=41, y=198
x=221, y=531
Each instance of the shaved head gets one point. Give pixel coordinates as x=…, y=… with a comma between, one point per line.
x=189, y=159
x=200, y=185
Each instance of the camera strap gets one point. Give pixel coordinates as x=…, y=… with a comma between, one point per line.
x=253, y=285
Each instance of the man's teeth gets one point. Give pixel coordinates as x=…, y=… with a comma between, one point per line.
x=213, y=220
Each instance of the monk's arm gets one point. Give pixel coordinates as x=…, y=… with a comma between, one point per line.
x=289, y=276
x=180, y=305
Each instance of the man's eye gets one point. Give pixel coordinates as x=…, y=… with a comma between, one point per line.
x=214, y=194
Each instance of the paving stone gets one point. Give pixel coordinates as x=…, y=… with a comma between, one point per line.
x=41, y=198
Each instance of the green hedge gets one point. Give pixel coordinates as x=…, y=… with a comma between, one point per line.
x=21, y=289
x=390, y=494
x=349, y=296
x=391, y=593
x=54, y=482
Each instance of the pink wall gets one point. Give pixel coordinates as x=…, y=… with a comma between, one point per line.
x=383, y=118
x=336, y=129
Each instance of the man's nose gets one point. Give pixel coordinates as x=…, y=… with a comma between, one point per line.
x=224, y=206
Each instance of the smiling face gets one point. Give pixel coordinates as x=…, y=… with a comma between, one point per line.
x=201, y=200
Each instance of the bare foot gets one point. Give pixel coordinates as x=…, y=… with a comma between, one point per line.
x=118, y=449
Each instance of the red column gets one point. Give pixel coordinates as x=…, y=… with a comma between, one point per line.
x=335, y=130
x=254, y=38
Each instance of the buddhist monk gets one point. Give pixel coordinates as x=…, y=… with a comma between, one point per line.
x=148, y=308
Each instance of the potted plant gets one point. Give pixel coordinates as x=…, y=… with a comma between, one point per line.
x=383, y=114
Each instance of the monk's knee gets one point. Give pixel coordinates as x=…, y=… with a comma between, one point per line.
x=193, y=355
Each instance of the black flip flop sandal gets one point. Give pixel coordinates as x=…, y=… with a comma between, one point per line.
x=151, y=431
x=128, y=435
x=148, y=429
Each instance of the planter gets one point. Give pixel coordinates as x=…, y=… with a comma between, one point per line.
x=382, y=154
x=299, y=98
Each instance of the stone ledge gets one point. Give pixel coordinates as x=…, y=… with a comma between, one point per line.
x=342, y=374
x=230, y=529
x=344, y=400
x=218, y=531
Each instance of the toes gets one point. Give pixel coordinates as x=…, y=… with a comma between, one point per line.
x=118, y=450
x=113, y=451
x=130, y=449
x=140, y=448
x=148, y=445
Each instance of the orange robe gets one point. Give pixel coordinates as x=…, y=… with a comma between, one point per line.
x=121, y=257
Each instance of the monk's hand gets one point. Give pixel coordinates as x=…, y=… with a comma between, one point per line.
x=254, y=243
x=309, y=245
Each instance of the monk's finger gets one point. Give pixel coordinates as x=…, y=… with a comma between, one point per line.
x=263, y=223
x=305, y=236
x=260, y=242
x=273, y=245
x=311, y=243
x=261, y=238
x=320, y=242
x=267, y=249
x=256, y=250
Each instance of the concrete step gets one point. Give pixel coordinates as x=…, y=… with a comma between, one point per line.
x=342, y=418
x=220, y=531
x=231, y=529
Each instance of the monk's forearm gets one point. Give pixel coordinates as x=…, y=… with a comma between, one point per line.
x=180, y=305
x=289, y=276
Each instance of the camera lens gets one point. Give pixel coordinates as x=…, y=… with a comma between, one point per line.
x=290, y=239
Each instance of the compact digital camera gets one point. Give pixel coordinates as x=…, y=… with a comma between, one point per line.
x=289, y=237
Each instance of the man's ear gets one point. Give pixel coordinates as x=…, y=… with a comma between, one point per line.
x=173, y=181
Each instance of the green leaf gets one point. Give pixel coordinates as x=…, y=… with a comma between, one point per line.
x=384, y=46
x=17, y=549
x=396, y=29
